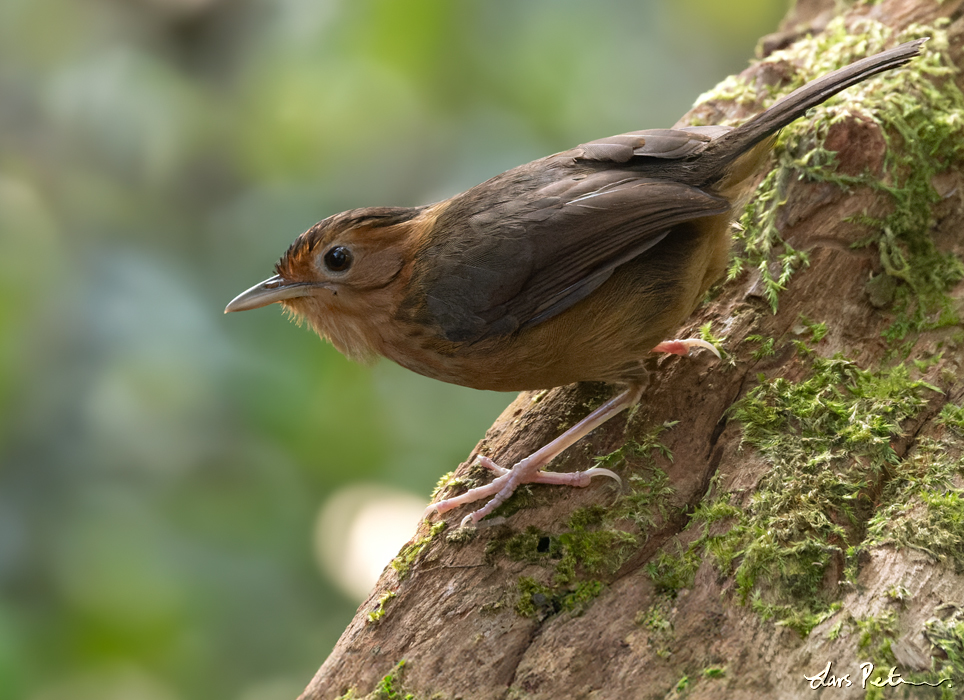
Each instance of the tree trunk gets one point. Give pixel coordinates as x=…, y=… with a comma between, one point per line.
x=795, y=505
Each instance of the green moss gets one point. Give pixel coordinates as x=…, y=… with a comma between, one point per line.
x=656, y=620
x=801, y=619
x=711, y=515
x=818, y=331
x=587, y=548
x=584, y=593
x=532, y=545
x=590, y=396
x=706, y=333
x=877, y=633
x=534, y=598
x=898, y=593
x=460, y=535
x=922, y=507
x=592, y=546
x=840, y=410
x=948, y=636
x=379, y=612
x=835, y=488
x=446, y=481
x=953, y=417
x=402, y=563
x=672, y=573
x=929, y=361
x=766, y=348
x=763, y=247
x=829, y=440
x=648, y=496
x=388, y=688
x=645, y=448
x=920, y=114
x=834, y=632
x=874, y=636
x=739, y=90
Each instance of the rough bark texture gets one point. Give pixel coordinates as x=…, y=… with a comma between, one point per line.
x=637, y=601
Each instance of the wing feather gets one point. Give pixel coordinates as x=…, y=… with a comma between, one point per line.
x=528, y=244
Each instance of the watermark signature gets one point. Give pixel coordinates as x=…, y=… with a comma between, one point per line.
x=826, y=679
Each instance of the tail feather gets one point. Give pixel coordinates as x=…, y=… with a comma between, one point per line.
x=721, y=152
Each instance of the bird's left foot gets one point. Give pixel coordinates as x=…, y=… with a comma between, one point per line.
x=508, y=480
x=529, y=470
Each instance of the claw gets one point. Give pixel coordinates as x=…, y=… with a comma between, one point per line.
x=600, y=471
x=492, y=466
x=682, y=347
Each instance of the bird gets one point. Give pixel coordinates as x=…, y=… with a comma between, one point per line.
x=574, y=267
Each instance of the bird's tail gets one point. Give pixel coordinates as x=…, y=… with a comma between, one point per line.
x=720, y=153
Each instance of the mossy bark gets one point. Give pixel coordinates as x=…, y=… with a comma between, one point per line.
x=800, y=503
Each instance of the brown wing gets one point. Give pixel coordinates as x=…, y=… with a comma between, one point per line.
x=530, y=243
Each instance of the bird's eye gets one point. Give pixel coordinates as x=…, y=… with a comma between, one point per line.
x=338, y=259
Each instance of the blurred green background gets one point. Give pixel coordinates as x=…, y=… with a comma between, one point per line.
x=162, y=466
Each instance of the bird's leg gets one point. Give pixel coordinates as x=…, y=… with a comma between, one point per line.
x=529, y=469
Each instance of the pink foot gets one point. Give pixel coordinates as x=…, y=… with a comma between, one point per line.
x=529, y=470
x=682, y=347
x=508, y=480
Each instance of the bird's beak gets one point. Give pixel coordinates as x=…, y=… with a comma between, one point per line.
x=272, y=290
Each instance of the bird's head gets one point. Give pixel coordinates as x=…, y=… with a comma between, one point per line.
x=340, y=275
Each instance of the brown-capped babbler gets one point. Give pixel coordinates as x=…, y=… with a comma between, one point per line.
x=571, y=268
